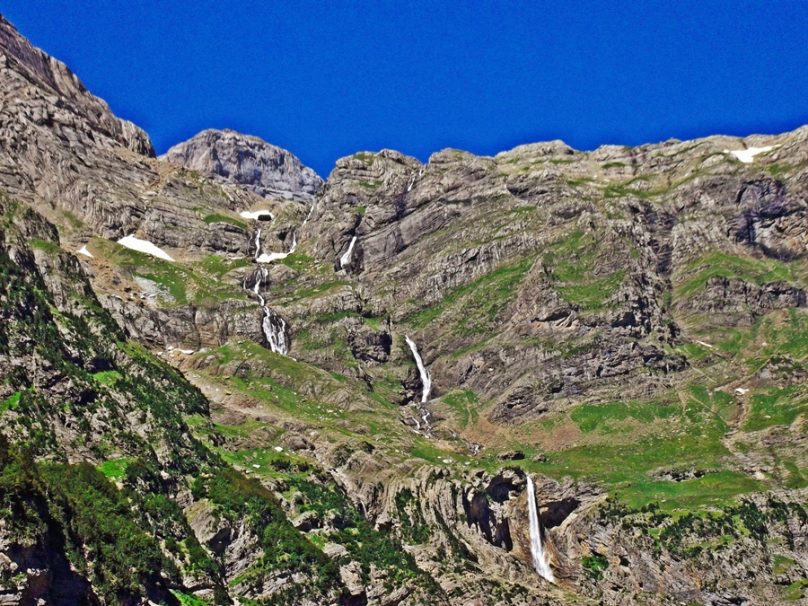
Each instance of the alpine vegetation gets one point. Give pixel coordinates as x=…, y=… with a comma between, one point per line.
x=618, y=337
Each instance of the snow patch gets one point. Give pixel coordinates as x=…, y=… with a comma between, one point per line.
x=256, y=215
x=144, y=246
x=83, y=251
x=270, y=257
x=748, y=155
x=277, y=256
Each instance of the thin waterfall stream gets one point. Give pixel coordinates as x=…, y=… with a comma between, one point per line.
x=426, y=382
x=537, y=552
x=273, y=325
x=346, y=258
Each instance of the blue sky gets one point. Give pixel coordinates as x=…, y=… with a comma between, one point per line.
x=326, y=79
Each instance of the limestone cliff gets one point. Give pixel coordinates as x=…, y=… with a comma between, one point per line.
x=256, y=165
x=626, y=326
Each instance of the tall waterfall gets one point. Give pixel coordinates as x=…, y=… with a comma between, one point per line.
x=273, y=325
x=308, y=216
x=540, y=561
x=262, y=275
x=275, y=331
x=257, y=244
x=426, y=380
x=345, y=259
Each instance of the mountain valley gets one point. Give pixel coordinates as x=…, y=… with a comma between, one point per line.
x=226, y=380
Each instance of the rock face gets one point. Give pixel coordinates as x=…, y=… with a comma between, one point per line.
x=626, y=325
x=544, y=275
x=736, y=302
x=79, y=108
x=62, y=150
x=267, y=170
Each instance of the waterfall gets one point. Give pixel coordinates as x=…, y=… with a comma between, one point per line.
x=308, y=216
x=540, y=561
x=258, y=244
x=426, y=380
x=275, y=331
x=273, y=325
x=346, y=258
x=262, y=275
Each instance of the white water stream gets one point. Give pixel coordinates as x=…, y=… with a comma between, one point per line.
x=275, y=331
x=426, y=385
x=273, y=325
x=345, y=259
x=426, y=380
x=257, y=244
x=540, y=561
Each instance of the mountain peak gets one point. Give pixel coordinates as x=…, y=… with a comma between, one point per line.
x=268, y=170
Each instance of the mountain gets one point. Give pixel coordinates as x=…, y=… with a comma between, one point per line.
x=225, y=382
x=256, y=165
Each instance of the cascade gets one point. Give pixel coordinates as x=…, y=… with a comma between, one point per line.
x=273, y=325
x=345, y=259
x=275, y=331
x=540, y=562
x=426, y=380
x=257, y=244
x=414, y=178
x=262, y=275
x=308, y=216
x=426, y=386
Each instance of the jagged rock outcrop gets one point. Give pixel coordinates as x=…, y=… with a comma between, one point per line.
x=735, y=302
x=73, y=109
x=245, y=160
x=186, y=327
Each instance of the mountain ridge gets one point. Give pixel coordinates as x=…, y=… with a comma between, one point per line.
x=626, y=328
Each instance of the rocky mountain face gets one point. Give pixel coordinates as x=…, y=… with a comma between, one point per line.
x=36, y=83
x=626, y=328
x=267, y=170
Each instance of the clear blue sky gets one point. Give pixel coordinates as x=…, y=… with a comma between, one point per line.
x=326, y=79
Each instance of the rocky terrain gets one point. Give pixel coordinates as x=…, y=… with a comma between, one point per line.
x=226, y=381
x=254, y=164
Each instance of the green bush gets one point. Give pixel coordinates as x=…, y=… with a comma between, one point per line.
x=595, y=565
